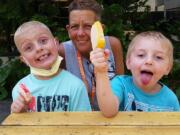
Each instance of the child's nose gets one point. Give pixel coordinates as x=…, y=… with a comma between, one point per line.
x=38, y=47
x=149, y=60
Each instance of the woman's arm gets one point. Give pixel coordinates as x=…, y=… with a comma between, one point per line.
x=62, y=54
x=118, y=54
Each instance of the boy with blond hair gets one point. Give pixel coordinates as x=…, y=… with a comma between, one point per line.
x=47, y=88
x=149, y=58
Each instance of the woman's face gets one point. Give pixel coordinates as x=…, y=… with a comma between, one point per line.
x=79, y=29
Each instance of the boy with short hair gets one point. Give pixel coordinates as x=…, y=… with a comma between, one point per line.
x=47, y=88
x=149, y=58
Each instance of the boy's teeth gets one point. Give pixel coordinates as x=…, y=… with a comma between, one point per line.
x=42, y=57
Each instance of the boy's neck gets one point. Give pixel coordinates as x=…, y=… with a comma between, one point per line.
x=150, y=90
x=47, y=77
x=153, y=90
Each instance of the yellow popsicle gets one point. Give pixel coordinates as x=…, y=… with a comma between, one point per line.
x=97, y=35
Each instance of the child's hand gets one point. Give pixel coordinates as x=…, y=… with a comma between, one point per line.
x=99, y=58
x=22, y=102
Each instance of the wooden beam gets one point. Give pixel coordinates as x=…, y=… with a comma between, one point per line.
x=92, y=123
x=94, y=119
x=90, y=130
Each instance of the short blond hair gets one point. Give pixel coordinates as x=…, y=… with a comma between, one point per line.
x=27, y=25
x=153, y=35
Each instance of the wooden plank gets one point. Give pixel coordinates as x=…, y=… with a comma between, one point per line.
x=89, y=130
x=94, y=118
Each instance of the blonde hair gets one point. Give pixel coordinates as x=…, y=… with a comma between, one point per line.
x=153, y=35
x=27, y=25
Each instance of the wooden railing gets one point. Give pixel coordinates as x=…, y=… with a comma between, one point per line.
x=92, y=123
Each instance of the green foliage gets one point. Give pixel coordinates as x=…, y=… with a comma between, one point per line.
x=119, y=16
x=172, y=80
x=12, y=14
x=15, y=12
x=178, y=93
x=10, y=73
x=113, y=21
x=4, y=74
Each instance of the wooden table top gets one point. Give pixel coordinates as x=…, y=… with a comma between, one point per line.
x=92, y=123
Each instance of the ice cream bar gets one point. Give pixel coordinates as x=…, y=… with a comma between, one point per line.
x=97, y=35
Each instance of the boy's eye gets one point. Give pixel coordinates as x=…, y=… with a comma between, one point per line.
x=159, y=57
x=43, y=40
x=140, y=55
x=27, y=48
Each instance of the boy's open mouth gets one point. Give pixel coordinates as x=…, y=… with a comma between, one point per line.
x=146, y=76
x=41, y=58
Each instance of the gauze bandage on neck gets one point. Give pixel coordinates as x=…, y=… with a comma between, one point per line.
x=97, y=35
x=45, y=72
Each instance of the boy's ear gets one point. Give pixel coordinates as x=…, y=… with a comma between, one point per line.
x=168, y=70
x=56, y=42
x=128, y=63
x=22, y=59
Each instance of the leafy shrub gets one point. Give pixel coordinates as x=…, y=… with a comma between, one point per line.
x=10, y=73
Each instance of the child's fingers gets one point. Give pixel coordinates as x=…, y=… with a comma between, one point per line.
x=26, y=96
x=18, y=106
x=99, y=58
x=14, y=107
x=97, y=54
x=106, y=53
